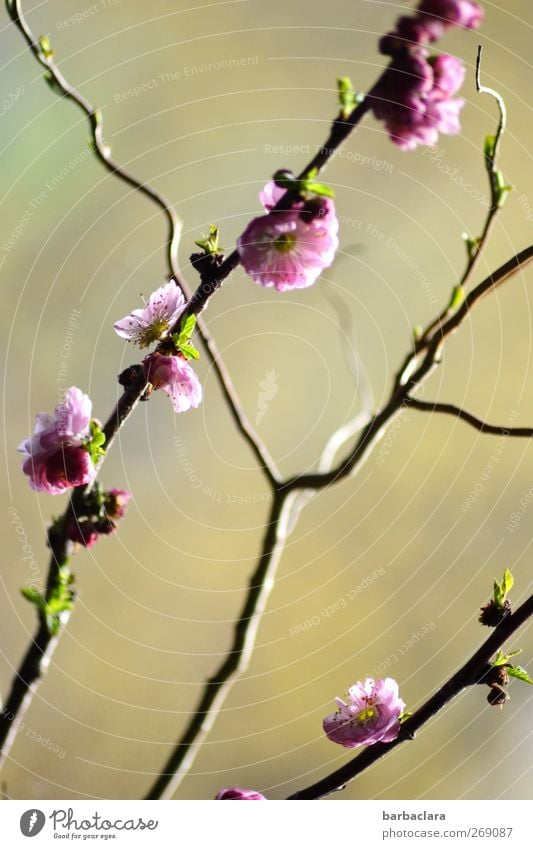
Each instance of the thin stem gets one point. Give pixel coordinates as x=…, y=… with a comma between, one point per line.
x=472, y=672
x=491, y=164
x=459, y=413
x=302, y=486
x=416, y=368
x=237, y=659
x=34, y=664
x=42, y=646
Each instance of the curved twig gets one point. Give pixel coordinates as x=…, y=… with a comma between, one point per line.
x=459, y=413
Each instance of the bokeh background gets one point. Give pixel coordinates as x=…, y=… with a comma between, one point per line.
x=205, y=101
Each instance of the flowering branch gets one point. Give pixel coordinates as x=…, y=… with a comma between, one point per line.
x=41, y=648
x=411, y=81
x=43, y=53
x=498, y=195
x=472, y=672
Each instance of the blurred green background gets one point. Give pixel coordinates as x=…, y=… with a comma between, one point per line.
x=196, y=97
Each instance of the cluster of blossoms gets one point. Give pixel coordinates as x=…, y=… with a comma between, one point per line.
x=416, y=98
x=108, y=508
x=60, y=455
x=172, y=374
x=57, y=455
x=290, y=248
x=372, y=714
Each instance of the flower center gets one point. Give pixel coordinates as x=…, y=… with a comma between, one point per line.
x=284, y=243
x=153, y=332
x=366, y=715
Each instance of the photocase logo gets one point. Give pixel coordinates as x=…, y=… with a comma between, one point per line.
x=32, y=822
x=268, y=389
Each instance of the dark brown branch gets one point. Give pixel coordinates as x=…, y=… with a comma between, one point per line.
x=459, y=413
x=34, y=664
x=236, y=661
x=415, y=369
x=471, y=673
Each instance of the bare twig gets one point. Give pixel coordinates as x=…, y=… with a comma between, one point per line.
x=471, y=673
x=303, y=486
x=237, y=659
x=459, y=413
x=496, y=201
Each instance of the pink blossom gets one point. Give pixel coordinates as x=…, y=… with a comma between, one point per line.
x=174, y=376
x=116, y=501
x=270, y=195
x=452, y=13
x=289, y=249
x=54, y=455
x=370, y=716
x=415, y=98
x=102, y=511
x=238, y=794
x=81, y=532
x=154, y=321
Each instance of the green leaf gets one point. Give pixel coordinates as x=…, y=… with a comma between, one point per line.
x=94, y=444
x=507, y=582
x=489, y=149
x=456, y=299
x=348, y=98
x=187, y=328
x=34, y=598
x=182, y=339
x=501, y=188
x=60, y=599
x=501, y=590
x=190, y=351
x=502, y=659
x=209, y=243
x=315, y=188
x=404, y=716
x=520, y=673
x=45, y=47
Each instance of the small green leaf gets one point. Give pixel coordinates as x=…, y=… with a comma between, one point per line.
x=187, y=328
x=404, y=716
x=190, y=351
x=502, y=659
x=520, y=673
x=34, y=598
x=507, y=582
x=489, y=149
x=305, y=186
x=501, y=589
x=348, y=98
x=209, y=243
x=501, y=188
x=182, y=339
x=472, y=245
x=95, y=441
x=46, y=49
x=456, y=299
